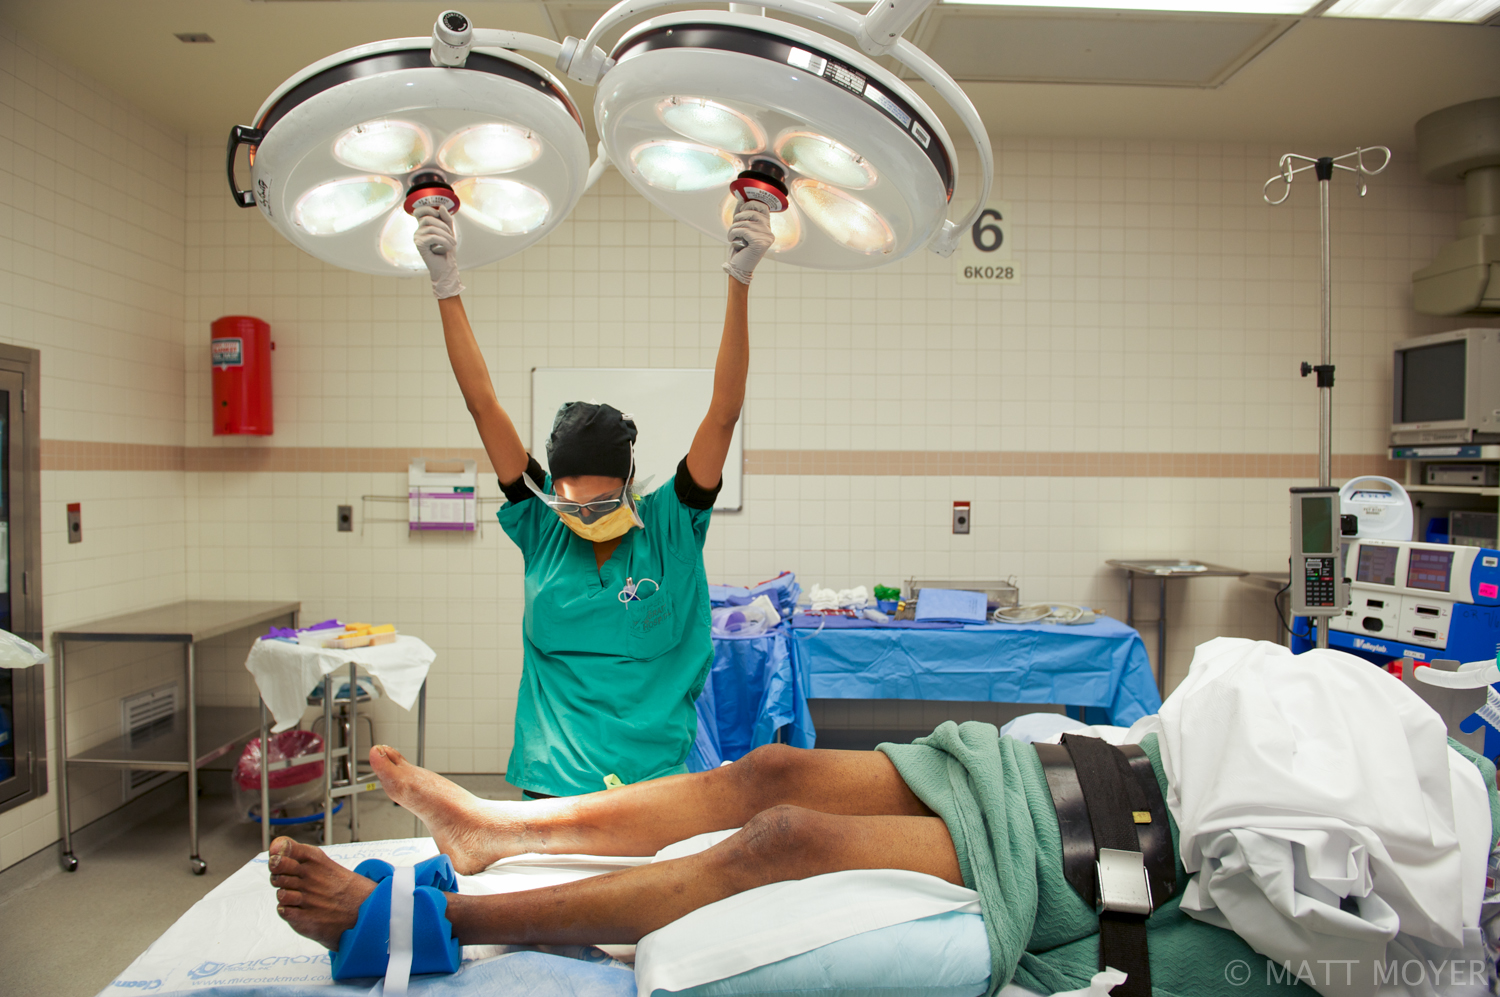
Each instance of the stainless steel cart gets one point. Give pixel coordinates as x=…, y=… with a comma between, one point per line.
x=197, y=734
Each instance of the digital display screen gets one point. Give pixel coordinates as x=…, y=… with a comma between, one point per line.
x=1317, y=524
x=1429, y=569
x=1377, y=565
x=1431, y=382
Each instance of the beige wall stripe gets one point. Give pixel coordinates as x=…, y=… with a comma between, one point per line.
x=71, y=455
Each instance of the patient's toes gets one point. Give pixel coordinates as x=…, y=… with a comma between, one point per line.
x=289, y=898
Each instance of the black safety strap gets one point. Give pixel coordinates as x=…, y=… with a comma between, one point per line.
x=1112, y=796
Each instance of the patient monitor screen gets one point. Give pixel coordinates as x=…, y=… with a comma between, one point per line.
x=1317, y=525
x=1377, y=565
x=1429, y=569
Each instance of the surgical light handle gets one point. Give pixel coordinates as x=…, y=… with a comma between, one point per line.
x=584, y=61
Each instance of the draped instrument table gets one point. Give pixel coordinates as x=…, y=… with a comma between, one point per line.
x=287, y=673
x=1100, y=665
x=197, y=734
x=755, y=694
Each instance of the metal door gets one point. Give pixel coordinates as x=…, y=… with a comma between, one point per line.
x=23, y=772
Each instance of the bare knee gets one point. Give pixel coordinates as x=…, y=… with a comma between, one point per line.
x=771, y=773
x=782, y=838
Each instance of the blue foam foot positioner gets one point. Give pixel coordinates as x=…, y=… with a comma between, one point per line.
x=363, y=949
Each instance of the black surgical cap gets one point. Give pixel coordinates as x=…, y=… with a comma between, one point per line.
x=588, y=438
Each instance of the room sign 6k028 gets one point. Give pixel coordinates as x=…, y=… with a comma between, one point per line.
x=984, y=252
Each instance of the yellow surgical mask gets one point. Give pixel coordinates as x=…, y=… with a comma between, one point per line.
x=616, y=524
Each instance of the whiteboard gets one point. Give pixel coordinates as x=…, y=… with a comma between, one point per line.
x=667, y=405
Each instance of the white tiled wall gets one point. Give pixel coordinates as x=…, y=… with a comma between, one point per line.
x=91, y=274
x=1164, y=308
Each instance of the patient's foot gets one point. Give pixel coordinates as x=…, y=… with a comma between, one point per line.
x=314, y=894
x=474, y=833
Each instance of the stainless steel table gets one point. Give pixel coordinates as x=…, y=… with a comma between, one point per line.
x=197, y=734
x=1163, y=568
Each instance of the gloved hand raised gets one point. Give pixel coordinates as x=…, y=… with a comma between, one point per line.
x=439, y=248
x=749, y=238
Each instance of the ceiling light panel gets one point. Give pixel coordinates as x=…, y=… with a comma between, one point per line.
x=874, y=161
x=340, y=141
x=1467, y=11
x=1275, y=7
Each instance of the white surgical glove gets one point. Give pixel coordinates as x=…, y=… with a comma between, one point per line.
x=749, y=238
x=439, y=248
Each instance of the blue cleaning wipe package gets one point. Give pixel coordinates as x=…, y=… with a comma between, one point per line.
x=951, y=605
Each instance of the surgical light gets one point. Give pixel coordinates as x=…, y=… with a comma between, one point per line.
x=712, y=123
x=822, y=158
x=499, y=147
x=684, y=99
x=336, y=149
x=383, y=147
x=683, y=166
x=846, y=219
x=504, y=206
x=341, y=205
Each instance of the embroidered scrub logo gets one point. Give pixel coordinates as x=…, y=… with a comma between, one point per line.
x=656, y=614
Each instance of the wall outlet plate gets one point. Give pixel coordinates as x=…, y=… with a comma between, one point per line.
x=75, y=522
x=345, y=519
x=960, y=517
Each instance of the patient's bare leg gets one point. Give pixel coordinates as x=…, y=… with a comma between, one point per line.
x=643, y=818
x=319, y=898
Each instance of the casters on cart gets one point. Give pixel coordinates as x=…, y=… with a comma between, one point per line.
x=69, y=862
x=199, y=866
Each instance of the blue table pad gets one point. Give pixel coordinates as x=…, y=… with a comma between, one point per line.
x=754, y=689
x=1098, y=665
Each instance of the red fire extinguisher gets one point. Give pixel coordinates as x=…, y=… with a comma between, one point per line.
x=242, y=376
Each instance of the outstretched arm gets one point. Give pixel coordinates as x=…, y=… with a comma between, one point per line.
x=705, y=460
x=750, y=235
x=496, y=431
x=437, y=244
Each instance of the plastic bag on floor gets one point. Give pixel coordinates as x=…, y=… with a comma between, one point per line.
x=290, y=787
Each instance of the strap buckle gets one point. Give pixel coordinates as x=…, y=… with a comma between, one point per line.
x=1123, y=885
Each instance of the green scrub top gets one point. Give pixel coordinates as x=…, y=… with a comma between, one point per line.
x=608, y=688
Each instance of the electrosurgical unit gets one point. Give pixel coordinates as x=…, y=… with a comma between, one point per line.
x=1410, y=599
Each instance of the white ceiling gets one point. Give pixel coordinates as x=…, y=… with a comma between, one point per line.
x=1031, y=72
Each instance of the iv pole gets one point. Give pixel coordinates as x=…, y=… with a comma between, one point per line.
x=1323, y=168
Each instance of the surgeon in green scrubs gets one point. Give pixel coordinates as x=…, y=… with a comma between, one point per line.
x=616, y=639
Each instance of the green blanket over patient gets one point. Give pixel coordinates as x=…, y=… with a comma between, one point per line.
x=992, y=794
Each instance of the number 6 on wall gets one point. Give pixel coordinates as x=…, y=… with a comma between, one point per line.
x=985, y=256
x=988, y=236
